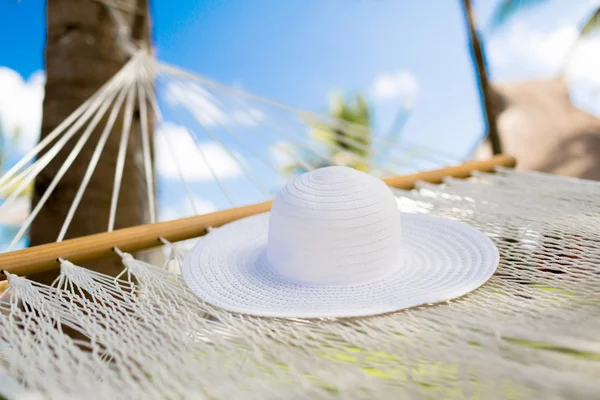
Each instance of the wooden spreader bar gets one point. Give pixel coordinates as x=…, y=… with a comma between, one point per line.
x=94, y=247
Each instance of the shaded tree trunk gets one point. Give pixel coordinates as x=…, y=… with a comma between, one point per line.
x=486, y=92
x=83, y=51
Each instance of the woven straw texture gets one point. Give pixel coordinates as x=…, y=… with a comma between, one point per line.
x=439, y=260
x=336, y=245
x=530, y=332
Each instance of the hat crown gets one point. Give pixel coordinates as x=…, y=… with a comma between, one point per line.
x=334, y=226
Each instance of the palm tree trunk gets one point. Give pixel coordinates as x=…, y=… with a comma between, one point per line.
x=486, y=91
x=83, y=51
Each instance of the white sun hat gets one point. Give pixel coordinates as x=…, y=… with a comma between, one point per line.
x=335, y=244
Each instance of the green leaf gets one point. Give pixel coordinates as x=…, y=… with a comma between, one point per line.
x=591, y=24
x=346, y=145
x=10, y=189
x=507, y=9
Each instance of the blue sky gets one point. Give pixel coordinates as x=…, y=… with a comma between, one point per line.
x=298, y=51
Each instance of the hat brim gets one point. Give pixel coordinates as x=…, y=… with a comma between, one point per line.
x=441, y=259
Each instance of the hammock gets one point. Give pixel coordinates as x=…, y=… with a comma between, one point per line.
x=530, y=332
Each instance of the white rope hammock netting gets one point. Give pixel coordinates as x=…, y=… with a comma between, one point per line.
x=241, y=144
x=530, y=332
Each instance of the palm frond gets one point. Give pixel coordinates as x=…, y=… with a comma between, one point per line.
x=506, y=9
x=344, y=147
x=592, y=24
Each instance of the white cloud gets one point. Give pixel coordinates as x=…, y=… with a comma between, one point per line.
x=21, y=107
x=206, y=108
x=250, y=117
x=393, y=85
x=184, y=209
x=584, y=62
x=17, y=213
x=583, y=72
x=281, y=153
x=523, y=52
x=201, y=104
x=189, y=156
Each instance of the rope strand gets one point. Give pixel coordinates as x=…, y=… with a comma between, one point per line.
x=143, y=106
x=352, y=129
x=63, y=169
x=261, y=157
x=121, y=157
x=233, y=156
x=81, y=113
x=93, y=162
x=159, y=118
